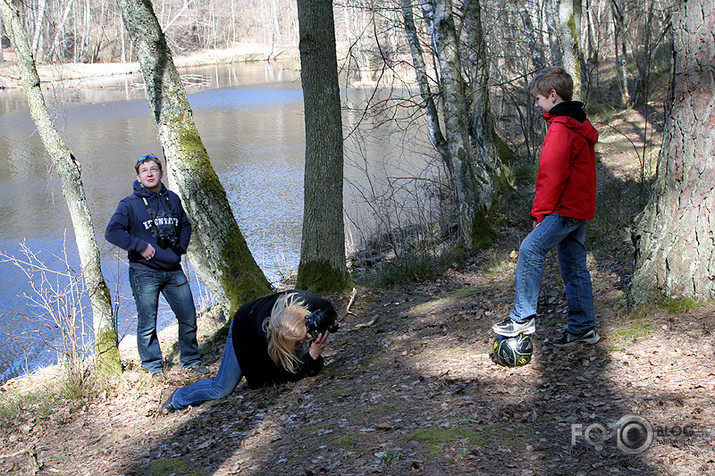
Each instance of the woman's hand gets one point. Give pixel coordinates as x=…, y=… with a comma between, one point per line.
x=318, y=345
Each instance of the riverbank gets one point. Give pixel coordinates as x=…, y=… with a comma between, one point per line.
x=409, y=387
x=90, y=74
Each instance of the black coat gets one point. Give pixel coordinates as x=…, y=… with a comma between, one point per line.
x=250, y=342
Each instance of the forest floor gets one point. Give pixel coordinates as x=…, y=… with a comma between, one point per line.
x=409, y=386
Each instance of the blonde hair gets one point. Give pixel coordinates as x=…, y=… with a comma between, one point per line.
x=555, y=78
x=285, y=328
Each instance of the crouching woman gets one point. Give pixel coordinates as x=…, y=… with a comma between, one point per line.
x=268, y=342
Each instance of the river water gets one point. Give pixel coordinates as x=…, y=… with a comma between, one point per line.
x=250, y=118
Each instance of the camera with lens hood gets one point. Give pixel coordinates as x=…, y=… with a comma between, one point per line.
x=317, y=322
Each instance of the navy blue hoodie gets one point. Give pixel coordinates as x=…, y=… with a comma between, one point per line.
x=130, y=228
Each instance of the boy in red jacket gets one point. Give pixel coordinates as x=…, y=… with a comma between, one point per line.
x=565, y=199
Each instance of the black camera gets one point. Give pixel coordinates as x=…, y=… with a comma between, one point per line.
x=320, y=321
x=167, y=240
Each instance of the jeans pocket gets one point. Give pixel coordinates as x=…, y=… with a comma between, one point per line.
x=143, y=282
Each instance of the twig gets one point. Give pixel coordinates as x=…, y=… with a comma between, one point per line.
x=353, y=295
x=367, y=324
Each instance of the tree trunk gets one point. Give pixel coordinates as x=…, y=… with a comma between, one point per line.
x=675, y=247
x=418, y=62
x=467, y=187
x=218, y=250
x=322, y=251
x=525, y=9
x=68, y=170
x=38, y=27
x=486, y=142
x=619, y=43
x=570, y=20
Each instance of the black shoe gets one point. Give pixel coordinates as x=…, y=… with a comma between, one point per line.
x=199, y=369
x=587, y=337
x=510, y=328
x=168, y=405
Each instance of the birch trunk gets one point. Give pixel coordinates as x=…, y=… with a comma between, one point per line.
x=68, y=170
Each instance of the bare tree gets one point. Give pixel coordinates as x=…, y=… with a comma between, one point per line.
x=218, y=250
x=467, y=144
x=570, y=22
x=68, y=170
x=675, y=251
x=322, y=253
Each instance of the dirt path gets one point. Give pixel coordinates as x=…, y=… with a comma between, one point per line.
x=416, y=393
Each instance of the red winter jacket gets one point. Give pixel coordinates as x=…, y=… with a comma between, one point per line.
x=566, y=182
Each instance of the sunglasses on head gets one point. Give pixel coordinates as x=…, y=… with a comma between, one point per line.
x=145, y=157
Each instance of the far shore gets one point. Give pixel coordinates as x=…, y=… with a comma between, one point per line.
x=73, y=72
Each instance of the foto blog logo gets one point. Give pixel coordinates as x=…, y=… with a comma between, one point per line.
x=633, y=434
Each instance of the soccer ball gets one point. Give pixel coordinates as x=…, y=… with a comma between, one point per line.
x=513, y=351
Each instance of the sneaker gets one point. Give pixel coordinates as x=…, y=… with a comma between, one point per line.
x=199, y=369
x=588, y=337
x=510, y=328
x=168, y=405
x=156, y=373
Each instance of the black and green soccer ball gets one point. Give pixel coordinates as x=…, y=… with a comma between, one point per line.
x=513, y=351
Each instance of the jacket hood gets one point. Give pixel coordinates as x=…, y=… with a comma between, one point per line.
x=140, y=191
x=572, y=115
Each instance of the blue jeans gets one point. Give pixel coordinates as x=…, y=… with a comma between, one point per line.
x=146, y=286
x=568, y=235
x=225, y=382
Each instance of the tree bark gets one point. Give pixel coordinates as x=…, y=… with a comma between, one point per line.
x=68, y=170
x=218, y=250
x=674, y=236
x=570, y=20
x=322, y=253
x=470, y=185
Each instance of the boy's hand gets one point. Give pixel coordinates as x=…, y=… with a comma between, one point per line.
x=534, y=224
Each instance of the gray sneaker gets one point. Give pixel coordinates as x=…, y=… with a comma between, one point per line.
x=587, y=337
x=510, y=328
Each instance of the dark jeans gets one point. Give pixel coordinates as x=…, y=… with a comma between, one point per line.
x=146, y=286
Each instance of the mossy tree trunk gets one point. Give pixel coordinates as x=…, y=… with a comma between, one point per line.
x=322, y=252
x=470, y=161
x=570, y=22
x=68, y=170
x=218, y=250
x=675, y=235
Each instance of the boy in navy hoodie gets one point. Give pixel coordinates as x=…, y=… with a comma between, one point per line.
x=565, y=199
x=152, y=226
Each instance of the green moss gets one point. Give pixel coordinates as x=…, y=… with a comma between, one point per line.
x=171, y=466
x=680, y=305
x=346, y=441
x=438, y=438
x=240, y=284
x=483, y=234
x=319, y=276
x=632, y=330
x=107, y=353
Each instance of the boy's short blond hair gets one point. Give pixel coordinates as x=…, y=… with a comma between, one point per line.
x=554, y=78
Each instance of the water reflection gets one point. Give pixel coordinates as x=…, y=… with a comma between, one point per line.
x=250, y=118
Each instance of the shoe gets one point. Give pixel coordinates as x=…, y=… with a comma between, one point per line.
x=168, y=405
x=199, y=369
x=155, y=373
x=510, y=328
x=587, y=337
